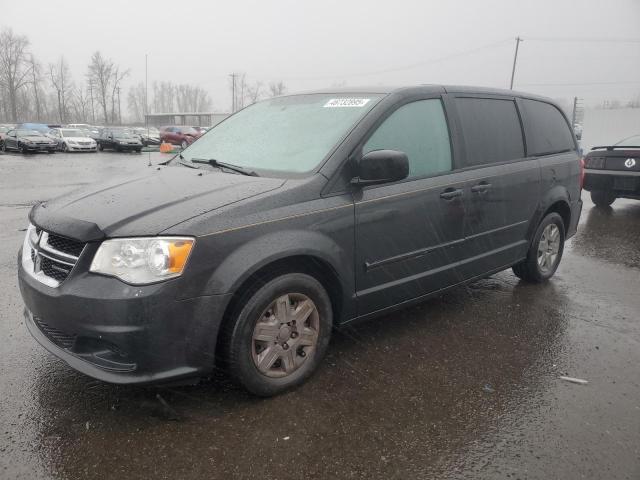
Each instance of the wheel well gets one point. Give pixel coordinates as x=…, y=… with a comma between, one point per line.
x=561, y=208
x=313, y=266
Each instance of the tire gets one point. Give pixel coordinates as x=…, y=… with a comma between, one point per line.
x=259, y=361
x=4, y=147
x=24, y=150
x=65, y=148
x=184, y=144
x=603, y=198
x=138, y=150
x=535, y=269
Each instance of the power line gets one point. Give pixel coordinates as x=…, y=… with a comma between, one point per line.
x=406, y=67
x=585, y=39
x=633, y=82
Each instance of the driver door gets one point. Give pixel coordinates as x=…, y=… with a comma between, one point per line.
x=409, y=234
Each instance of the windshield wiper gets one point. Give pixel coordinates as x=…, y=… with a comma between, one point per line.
x=215, y=163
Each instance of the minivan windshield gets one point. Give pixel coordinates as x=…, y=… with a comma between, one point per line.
x=287, y=134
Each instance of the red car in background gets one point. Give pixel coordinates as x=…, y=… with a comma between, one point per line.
x=179, y=135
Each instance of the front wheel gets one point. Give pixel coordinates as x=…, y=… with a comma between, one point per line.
x=280, y=334
x=184, y=144
x=545, y=252
x=603, y=198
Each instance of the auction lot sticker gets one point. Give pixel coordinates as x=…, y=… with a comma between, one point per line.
x=346, y=102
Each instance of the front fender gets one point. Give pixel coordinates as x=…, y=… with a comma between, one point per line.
x=261, y=251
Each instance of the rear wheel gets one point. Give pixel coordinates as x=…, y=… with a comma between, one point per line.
x=280, y=334
x=545, y=252
x=603, y=198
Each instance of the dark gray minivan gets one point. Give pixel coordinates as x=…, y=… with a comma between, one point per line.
x=296, y=215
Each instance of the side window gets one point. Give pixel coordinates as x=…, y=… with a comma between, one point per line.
x=547, y=130
x=491, y=130
x=420, y=130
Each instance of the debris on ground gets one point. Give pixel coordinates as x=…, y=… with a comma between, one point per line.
x=488, y=388
x=579, y=381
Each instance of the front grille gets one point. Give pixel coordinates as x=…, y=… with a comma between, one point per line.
x=66, y=245
x=60, y=338
x=52, y=257
x=56, y=270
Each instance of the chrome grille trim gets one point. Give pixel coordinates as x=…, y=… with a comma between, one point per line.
x=44, y=262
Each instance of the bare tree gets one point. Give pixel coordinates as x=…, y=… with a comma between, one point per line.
x=14, y=68
x=136, y=99
x=277, y=88
x=35, y=78
x=254, y=92
x=163, y=97
x=191, y=98
x=116, y=81
x=100, y=75
x=80, y=103
x=61, y=82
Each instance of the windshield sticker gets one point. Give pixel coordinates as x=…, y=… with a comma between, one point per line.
x=346, y=102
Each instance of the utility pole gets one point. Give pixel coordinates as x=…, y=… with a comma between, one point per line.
x=146, y=91
x=515, y=59
x=119, y=111
x=233, y=92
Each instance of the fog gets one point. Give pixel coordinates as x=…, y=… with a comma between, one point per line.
x=314, y=44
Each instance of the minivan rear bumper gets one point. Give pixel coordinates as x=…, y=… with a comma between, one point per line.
x=139, y=335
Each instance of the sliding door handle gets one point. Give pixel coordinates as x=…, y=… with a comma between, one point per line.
x=481, y=187
x=451, y=193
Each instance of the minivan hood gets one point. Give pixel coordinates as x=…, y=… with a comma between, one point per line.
x=145, y=204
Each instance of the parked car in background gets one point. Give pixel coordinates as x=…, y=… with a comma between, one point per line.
x=119, y=139
x=73, y=140
x=179, y=135
x=333, y=207
x=38, y=127
x=26, y=141
x=613, y=171
x=3, y=132
x=148, y=135
x=200, y=130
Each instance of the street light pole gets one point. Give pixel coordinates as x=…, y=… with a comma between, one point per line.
x=515, y=59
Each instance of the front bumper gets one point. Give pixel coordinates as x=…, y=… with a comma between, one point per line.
x=120, y=333
x=82, y=148
x=39, y=148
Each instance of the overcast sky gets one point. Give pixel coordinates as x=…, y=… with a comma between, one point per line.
x=313, y=44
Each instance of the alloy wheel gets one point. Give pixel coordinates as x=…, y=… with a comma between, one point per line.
x=548, y=248
x=285, y=335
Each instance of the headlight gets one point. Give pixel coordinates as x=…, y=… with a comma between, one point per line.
x=143, y=260
x=72, y=142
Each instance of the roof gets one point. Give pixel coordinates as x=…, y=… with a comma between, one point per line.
x=426, y=88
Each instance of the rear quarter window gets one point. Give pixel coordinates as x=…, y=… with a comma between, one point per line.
x=546, y=129
x=491, y=130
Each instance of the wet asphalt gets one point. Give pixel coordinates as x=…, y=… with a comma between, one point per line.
x=463, y=386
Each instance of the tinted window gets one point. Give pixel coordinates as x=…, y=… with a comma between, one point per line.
x=547, y=129
x=491, y=130
x=418, y=129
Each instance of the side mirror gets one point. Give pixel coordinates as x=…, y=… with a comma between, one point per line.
x=381, y=166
